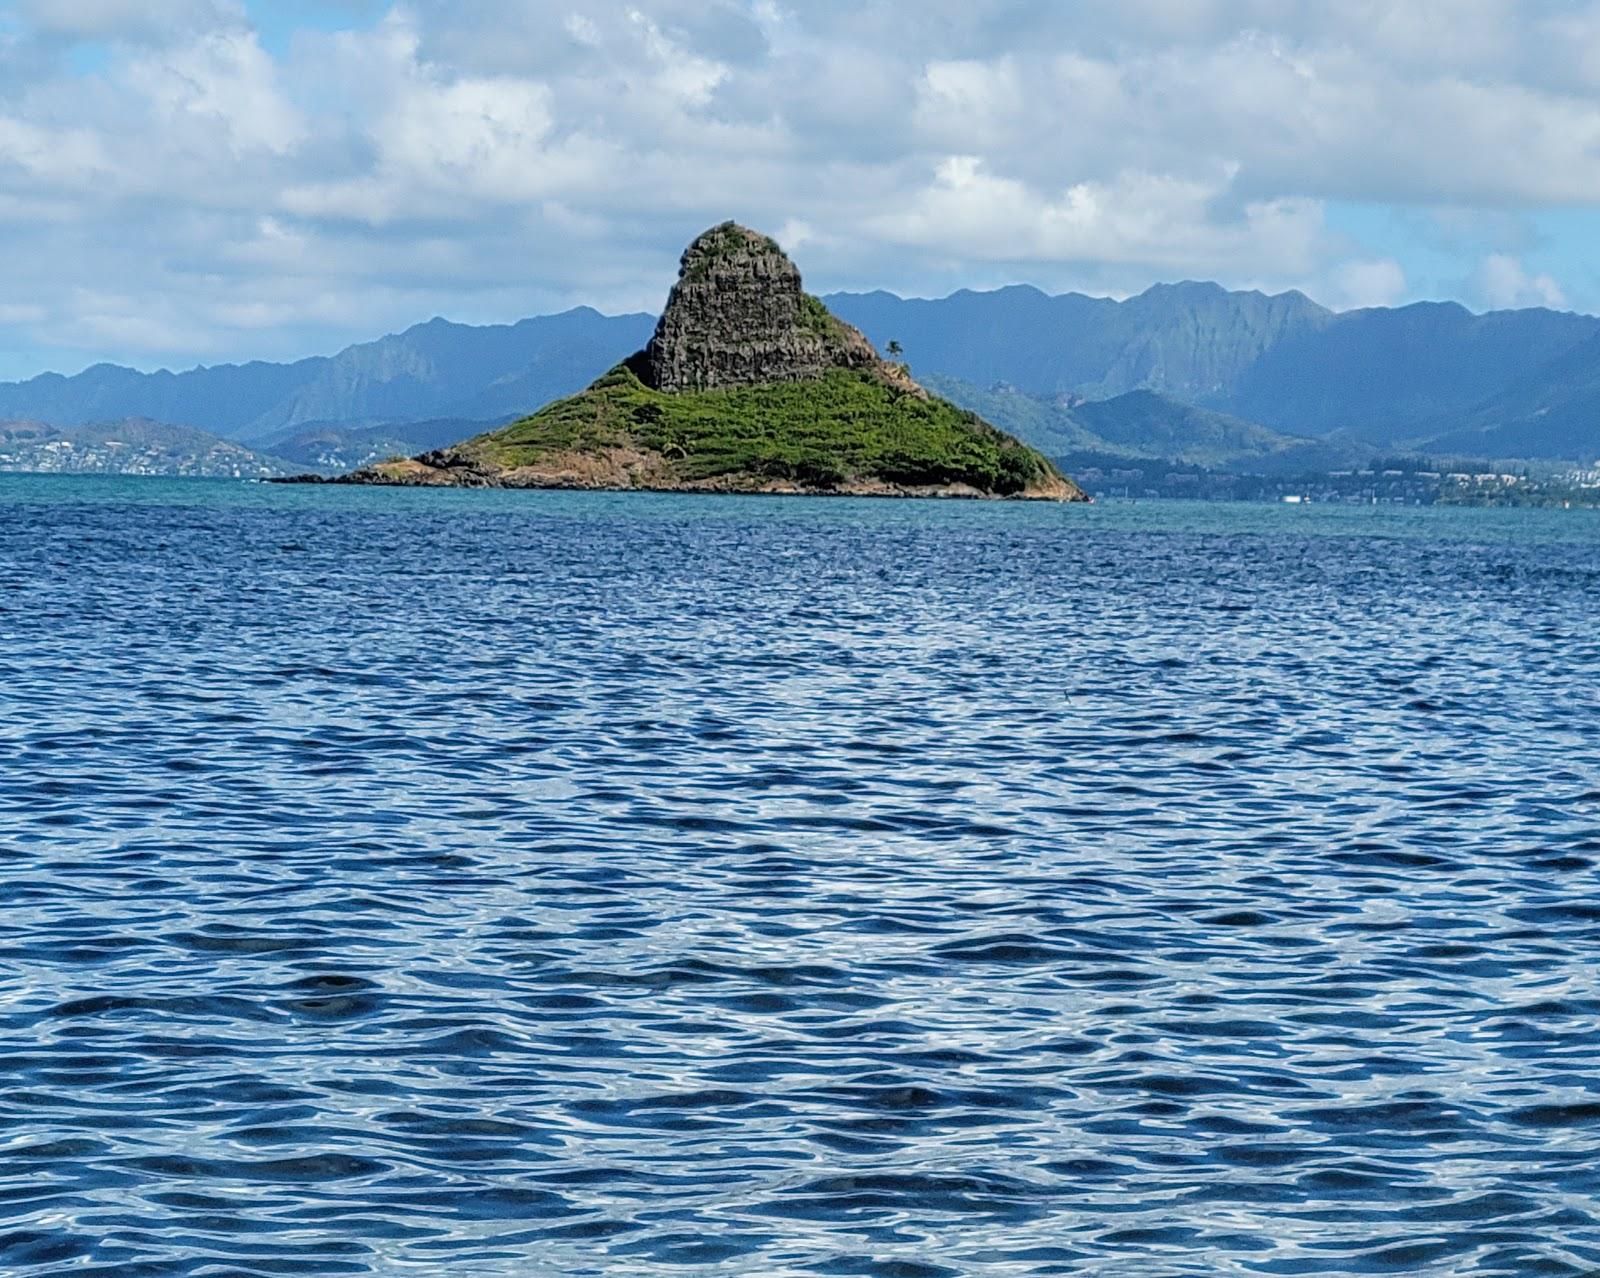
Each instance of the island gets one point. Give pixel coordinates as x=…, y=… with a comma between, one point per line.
x=749, y=385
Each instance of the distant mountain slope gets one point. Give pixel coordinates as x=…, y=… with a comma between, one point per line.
x=1381, y=373
x=433, y=370
x=224, y=400
x=1554, y=412
x=1187, y=340
x=132, y=447
x=1149, y=426
x=1043, y=421
x=332, y=447
x=1281, y=361
x=1390, y=377
x=1155, y=425
x=443, y=370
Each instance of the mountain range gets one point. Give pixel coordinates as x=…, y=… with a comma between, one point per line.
x=1148, y=425
x=1429, y=375
x=436, y=370
x=1186, y=371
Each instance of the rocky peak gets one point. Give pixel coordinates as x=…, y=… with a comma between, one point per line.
x=738, y=316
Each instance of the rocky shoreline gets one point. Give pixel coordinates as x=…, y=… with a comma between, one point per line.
x=414, y=473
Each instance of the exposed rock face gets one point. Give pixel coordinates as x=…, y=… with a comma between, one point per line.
x=738, y=316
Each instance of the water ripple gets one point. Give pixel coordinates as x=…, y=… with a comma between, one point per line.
x=495, y=884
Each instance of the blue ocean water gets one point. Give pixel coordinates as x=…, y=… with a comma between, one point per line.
x=480, y=883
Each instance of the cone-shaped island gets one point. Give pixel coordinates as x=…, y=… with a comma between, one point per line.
x=749, y=385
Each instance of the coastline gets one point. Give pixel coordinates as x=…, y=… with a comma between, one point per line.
x=721, y=486
x=629, y=471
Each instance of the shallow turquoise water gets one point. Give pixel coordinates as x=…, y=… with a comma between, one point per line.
x=510, y=883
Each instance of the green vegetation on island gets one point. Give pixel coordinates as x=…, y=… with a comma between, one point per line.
x=846, y=426
x=749, y=384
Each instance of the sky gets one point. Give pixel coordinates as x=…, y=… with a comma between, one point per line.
x=202, y=181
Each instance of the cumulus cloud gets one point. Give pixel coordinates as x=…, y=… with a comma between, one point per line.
x=252, y=196
x=222, y=81
x=1368, y=282
x=126, y=19
x=1503, y=282
x=435, y=145
x=1166, y=223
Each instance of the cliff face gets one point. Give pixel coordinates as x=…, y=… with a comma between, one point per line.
x=738, y=316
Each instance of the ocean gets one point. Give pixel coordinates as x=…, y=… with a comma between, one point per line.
x=485, y=883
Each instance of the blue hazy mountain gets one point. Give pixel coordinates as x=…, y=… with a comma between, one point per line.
x=436, y=370
x=222, y=401
x=444, y=370
x=1147, y=425
x=1384, y=374
x=1553, y=412
x=1509, y=383
x=1282, y=361
x=1191, y=341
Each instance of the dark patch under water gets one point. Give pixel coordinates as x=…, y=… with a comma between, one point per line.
x=525, y=884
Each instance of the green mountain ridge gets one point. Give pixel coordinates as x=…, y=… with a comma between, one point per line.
x=1147, y=426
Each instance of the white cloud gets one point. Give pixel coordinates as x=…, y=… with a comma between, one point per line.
x=678, y=71
x=442, y=145
x=1152, y=220
x=223, y=79
x=1368, y=282
x=491, y=159
x=1329, y=121
x=21, y=314
x=1503, y=282
x=583, y=30
x=127, y=19
x=794, y=235
x=54, y=157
